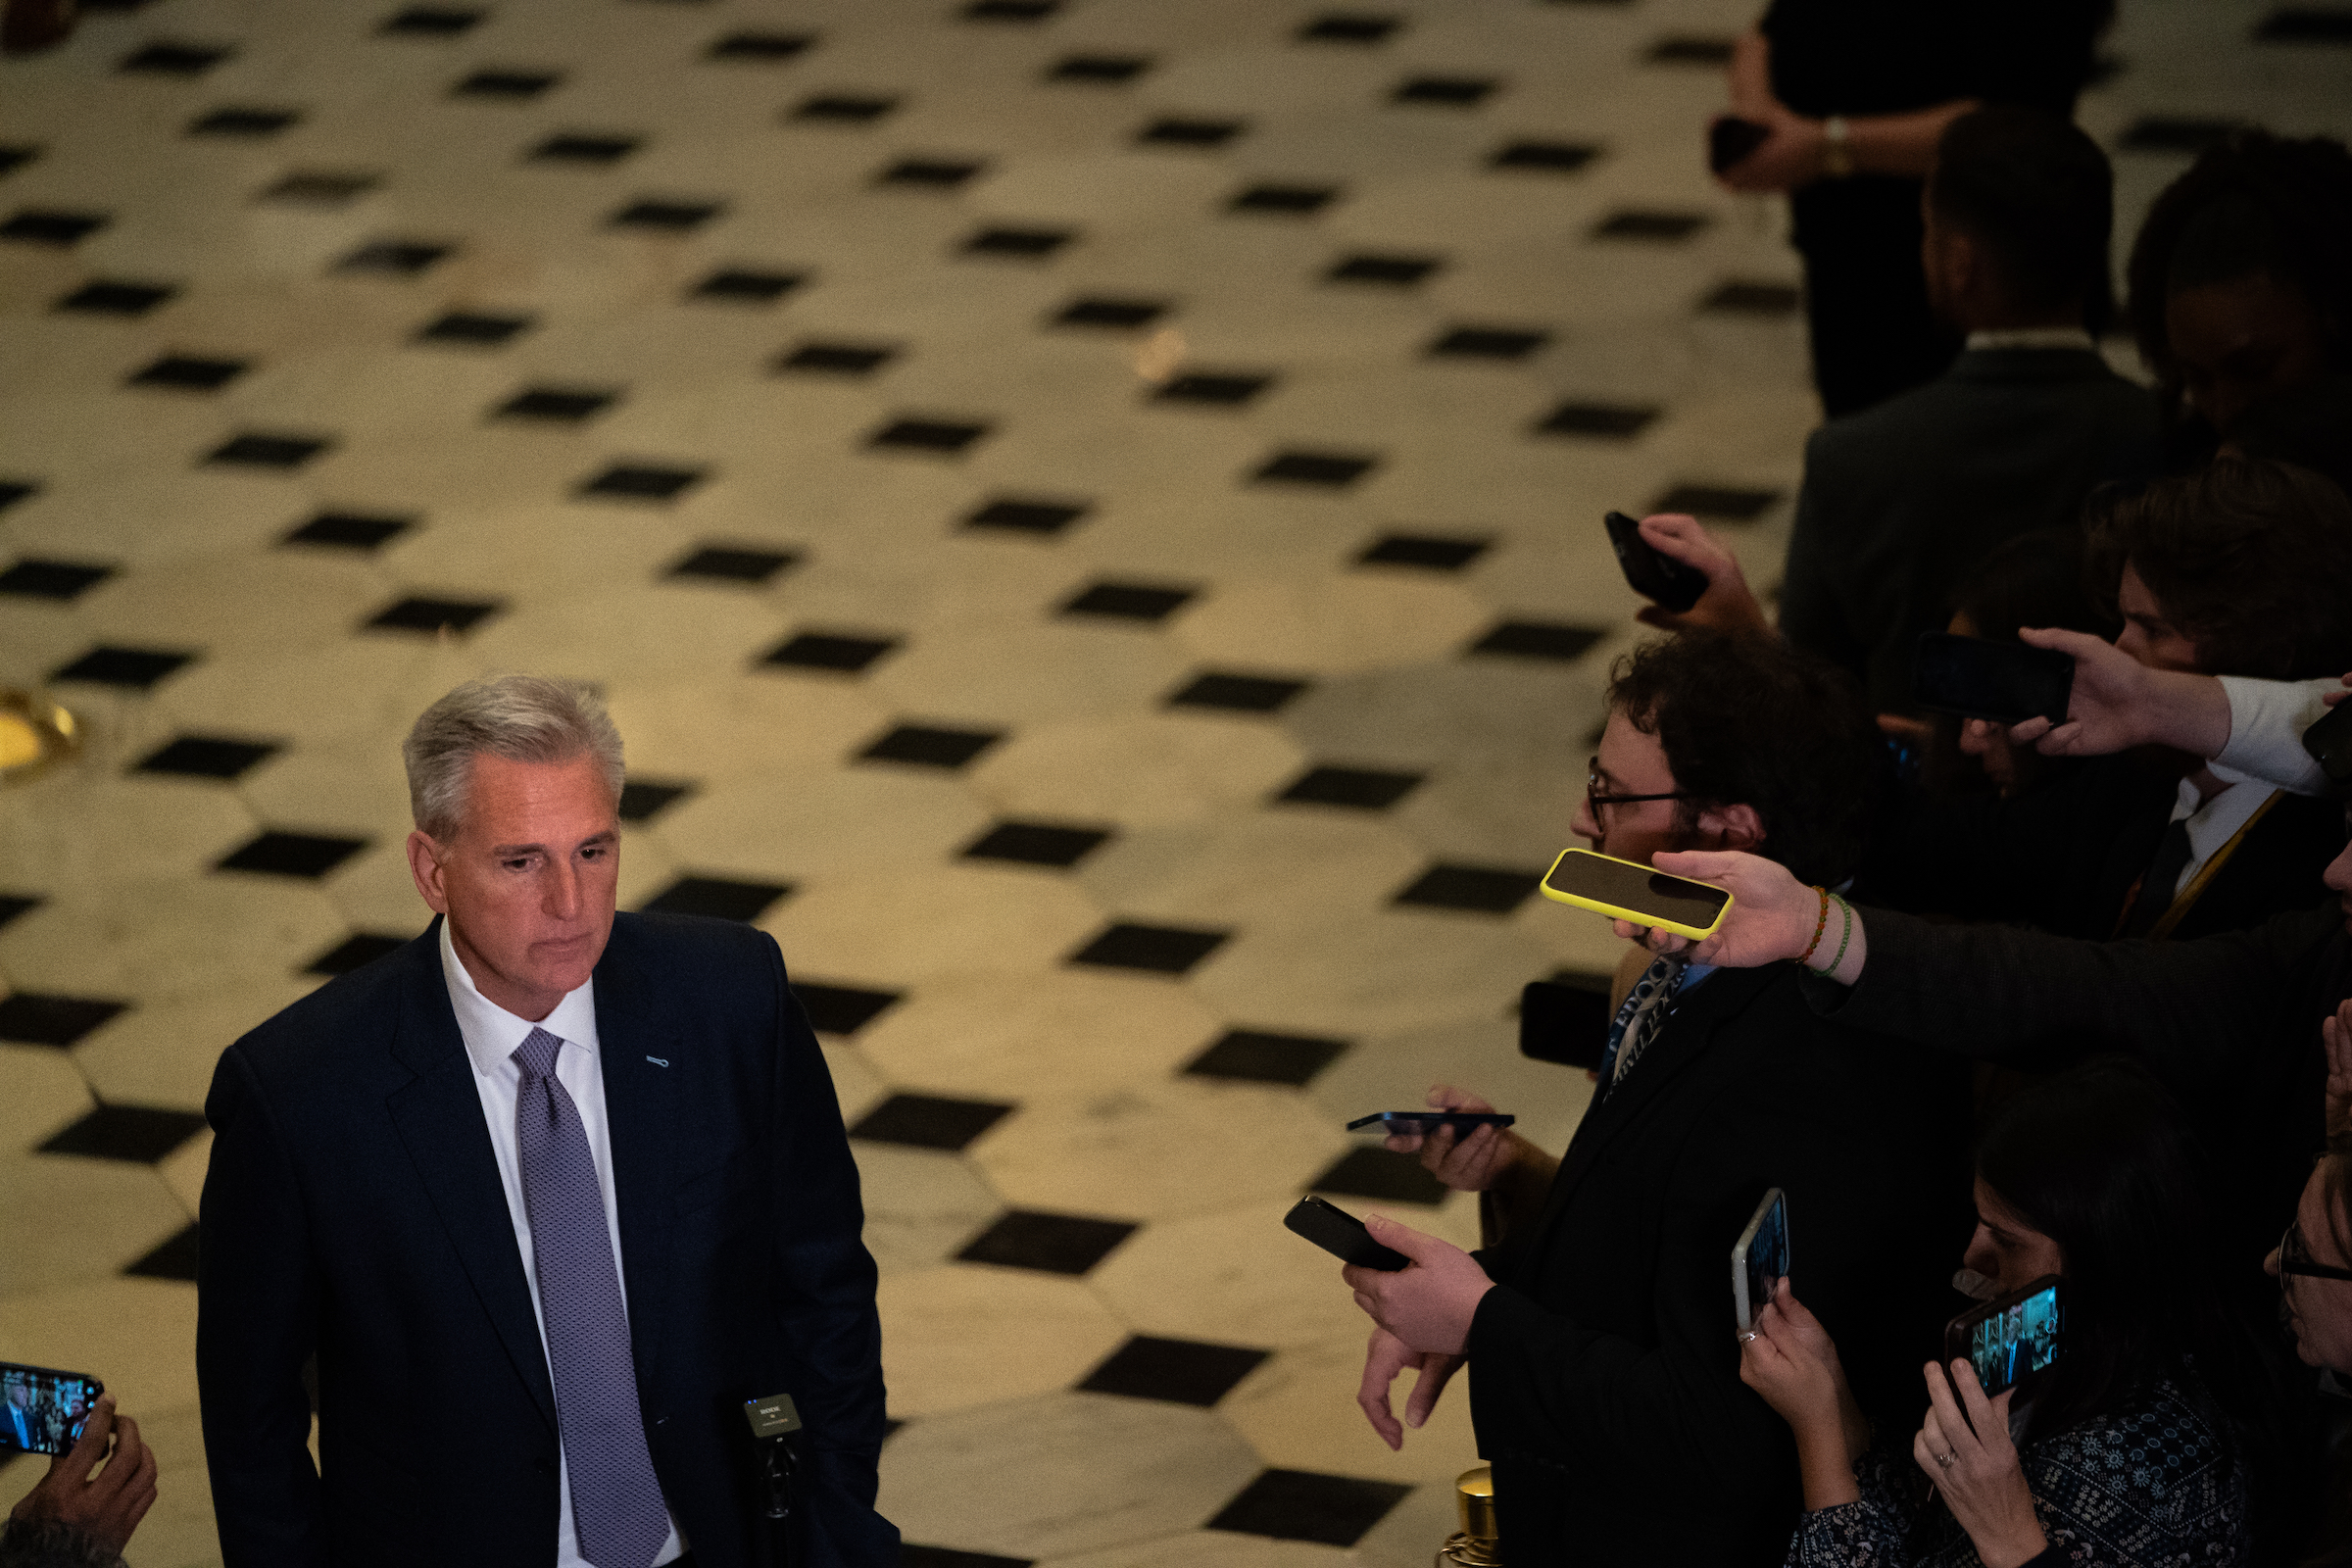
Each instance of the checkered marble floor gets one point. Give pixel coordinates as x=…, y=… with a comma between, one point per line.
x=1086, y=513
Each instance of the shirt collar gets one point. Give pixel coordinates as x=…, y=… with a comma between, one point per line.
x=492, y=1033
x=2212, y=823
x=2031, y=337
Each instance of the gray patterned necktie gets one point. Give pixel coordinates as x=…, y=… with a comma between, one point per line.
x=1642, y=1015
x=616, y=1510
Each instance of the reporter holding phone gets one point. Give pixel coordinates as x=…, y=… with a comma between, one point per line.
x=2125, y=1450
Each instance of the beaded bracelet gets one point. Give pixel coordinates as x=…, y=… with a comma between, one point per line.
x=1819, y=926
x=1842, y=940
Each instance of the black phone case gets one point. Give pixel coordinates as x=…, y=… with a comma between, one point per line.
x=1731, y=139
x=1655, y=576
x=1978, y=678
x=1341, y=1235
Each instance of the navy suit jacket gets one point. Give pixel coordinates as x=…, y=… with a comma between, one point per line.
x=353, y=1212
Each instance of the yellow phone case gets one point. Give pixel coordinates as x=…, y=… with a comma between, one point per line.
x=1614, y=913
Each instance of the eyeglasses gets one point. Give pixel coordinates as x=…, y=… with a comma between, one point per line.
x=1596, y=800
x=2295, y=1259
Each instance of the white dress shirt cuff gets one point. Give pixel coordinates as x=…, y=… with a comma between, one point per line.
x=2267, y=722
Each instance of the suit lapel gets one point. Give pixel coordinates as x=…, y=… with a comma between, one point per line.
x=641, y=1066
x=439, y=1115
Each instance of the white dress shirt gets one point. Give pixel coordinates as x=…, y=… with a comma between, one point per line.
x=2031, y=337
x=2212, y=823
x=492, y=1034
x=2267, y=722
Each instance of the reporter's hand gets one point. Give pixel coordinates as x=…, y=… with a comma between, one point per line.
x=1727, y=605
x=1385, y=1357
x=1772, y=917
x=1787, y=1365
x=106, y=1506
x=2118, y=703
x=1430, y=1301
x=2330, y=699
x=1790, y=158
x=1473, y=1163
x=2336, y=1034
x=1975, y=1467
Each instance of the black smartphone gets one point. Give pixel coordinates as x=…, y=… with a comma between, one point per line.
x=1731, y=139
x=1565, y=1019
x=2010, y=1338
x=1652, y=574
x=1341, y=1235
x=1979, y=679
x=1421, y=1123
x=2329, y=743
x=43, y=1411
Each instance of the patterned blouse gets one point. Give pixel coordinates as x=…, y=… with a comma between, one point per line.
x=2156, y=1484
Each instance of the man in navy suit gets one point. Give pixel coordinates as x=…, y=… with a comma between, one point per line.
x=17, y=1424
x=547, y=1196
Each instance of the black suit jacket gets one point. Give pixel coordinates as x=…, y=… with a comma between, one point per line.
x=353, y=1211
x=1604, y=1376
x=1901, y=500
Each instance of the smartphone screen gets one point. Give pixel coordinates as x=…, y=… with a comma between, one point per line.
x=44, y=1411
x=1760, y=1260
x=1623, y=885
x=2010, y=1338
x=1979, y=679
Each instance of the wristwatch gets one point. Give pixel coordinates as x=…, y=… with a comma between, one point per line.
x=1837, y=151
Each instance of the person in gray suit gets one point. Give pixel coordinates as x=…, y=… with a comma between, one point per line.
x=1904, y=499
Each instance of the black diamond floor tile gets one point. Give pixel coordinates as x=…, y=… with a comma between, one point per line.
x=1612, y=420
x=1018, y=515
x=101, y=298
x=835, y=652
x=1113, y=314
x=1361, y=788
x=173, y=60
x=1013, y=11
x=1544, y=156
x=349, y=530
x=578, y=147
x=12, y=491
x=1538, y=638
x=1153, y=948
x=1049, y=1243
x=475, y=329
x=760, y=48
x=1720, y=503
x=1036, y=843
x=735, y=563
x=1444, y=92
x=1344, y=27
x=1737, y=297
x=842, y=1010
x=2306, y=24
x=40, y=226
x=1258, y=1056
x=205, y=757
x=1309, y=1505
x=1241, y=694
x=1176, y=131
x=922, y=746
x=721, y=898
x=930, y=173
x=843, y=109
x=429, y=21
x=394, y=257
x=557, y=405
x=946, y=437
x=737, y=285
x=13, y=905
x=1488, y=343
x=2175, y=134
x=1473, y=889
x=666, y=217
x=175, y=1260
x=355, y=952
x=182, y=372
x=837, y=358
x=1638, y=223
x=39, y=1019
x=636, y=481
x=644, y=799
x=1208, y=387
x=1289, y=201
x=1382, y=1176
x=63, y=581
x=1098, y=70
x=253, y=124
x=505, y=86
x=1391, y=271
x=15, y=155
x=1424, y=552
x=434, y=616
x=309, y=856
x=929, y=1121
x=1331, y=471
x=911, y=1555
x=321, y=188
x=1682, y=50
x=1017, y=244
x=138, y=1135
x=1128, y=601
x=136, y=668
x=1178, y=1371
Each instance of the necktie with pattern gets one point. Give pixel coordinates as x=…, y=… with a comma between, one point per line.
x=617, y=1513
x=1640, y=1017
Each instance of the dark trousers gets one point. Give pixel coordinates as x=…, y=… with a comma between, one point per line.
x=1865, y=299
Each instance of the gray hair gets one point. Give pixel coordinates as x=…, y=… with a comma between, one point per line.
x=524, y=719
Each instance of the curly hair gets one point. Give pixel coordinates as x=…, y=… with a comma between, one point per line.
x=2253, y=203
x=2250, y=558
x=1746, y=719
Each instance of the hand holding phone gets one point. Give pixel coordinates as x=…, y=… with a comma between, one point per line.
x=42, y=1409
x=1977, y=678
x=1731, y=139
x=1422, y=1123
x=1650, y=571
x=1626, y=891
x=1760, y=1259
x=1341, y=1235
x=2012, y=1337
